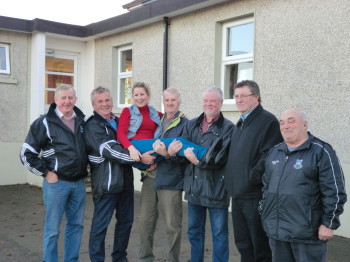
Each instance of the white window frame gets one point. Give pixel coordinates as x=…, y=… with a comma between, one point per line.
x=63, y=55
x=235, y=59
x=122, y=75
x=7, y=69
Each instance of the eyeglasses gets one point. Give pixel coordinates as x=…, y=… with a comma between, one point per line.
x=242, y=96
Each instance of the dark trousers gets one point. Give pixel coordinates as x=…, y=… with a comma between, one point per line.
x=123, y=204
x=250, y=238
x=297, y=252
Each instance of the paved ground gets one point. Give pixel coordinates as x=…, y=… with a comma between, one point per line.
x=21, y=228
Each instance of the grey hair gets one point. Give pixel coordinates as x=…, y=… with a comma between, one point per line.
x=64, y=87
x=216, y=90
x=99, y=90
x=173, y=91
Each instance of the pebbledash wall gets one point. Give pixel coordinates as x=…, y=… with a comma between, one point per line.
x=301, y=60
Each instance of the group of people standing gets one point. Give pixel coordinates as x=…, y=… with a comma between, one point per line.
x=286, y=186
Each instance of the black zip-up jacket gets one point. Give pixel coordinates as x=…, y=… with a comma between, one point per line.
x=110, y=163
x=302, y=190
x=62, y=151
x=250, y=143
x=170, y=172
x=204, y=184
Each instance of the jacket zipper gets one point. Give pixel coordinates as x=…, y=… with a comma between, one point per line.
x=277, y=196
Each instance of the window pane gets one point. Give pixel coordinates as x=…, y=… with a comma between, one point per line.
x=237, y=73
x=241, y=39
x=49, y=97
x=52, y=82
x=59, y=65
x=126, y=61
x=2, y=58
x=125, y=91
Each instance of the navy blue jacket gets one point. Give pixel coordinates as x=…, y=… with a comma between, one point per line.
x=302, y=190
x=170, y=173
x=204, y=184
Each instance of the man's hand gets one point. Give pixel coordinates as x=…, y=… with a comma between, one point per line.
x=325, y=233
x=147, y=158
x=152, y=168
x=174, y=147
x=51, y=177
x=191, y=156
x=160, y=148
x=134, y=153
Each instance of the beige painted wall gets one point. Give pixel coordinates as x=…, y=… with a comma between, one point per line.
x=301, y=60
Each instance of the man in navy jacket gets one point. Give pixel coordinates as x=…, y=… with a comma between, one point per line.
x=304, y=193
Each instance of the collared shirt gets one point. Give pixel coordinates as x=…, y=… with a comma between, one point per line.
x=205, y=124
x=243, y=117
x=62, y=116
x=112, y=121
x=68, y=121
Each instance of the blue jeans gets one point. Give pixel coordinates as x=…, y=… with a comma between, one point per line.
x=123, y=204
x=146, y=145
x=61, y=198
x=219, y=229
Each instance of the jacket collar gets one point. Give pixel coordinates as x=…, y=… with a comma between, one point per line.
x=219, y=123
x=283, y=146
x=52, y=114
x=251, y=116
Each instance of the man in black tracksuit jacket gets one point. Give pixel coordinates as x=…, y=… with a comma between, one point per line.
x=54, y=149
x=257, y=131
x=304, y=193
x=112, y=179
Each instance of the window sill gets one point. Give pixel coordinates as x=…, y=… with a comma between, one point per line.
x=8, y=80
x=229, y=107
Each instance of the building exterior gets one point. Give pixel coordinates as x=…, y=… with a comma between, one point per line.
x=298, y=51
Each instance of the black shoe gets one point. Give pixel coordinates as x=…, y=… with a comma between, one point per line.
x=209, y=157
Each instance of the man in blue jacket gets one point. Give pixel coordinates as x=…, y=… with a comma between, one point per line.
x=304, y=193
x=162, y=189
x=54, y=149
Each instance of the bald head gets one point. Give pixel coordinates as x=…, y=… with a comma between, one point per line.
x=293, y=126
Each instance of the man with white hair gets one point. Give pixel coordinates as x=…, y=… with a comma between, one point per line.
x=54, y=149
x=304, y=193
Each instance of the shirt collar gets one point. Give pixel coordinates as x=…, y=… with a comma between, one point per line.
x=62, y=116
x=243, y=117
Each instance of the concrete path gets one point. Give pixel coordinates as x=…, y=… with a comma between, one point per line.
x=21, y=229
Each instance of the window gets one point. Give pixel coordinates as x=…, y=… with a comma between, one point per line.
x=237, y=54
x=5, y=59
x=59, y=69
x=124, y=82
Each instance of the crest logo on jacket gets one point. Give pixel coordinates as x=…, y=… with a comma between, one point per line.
x=298, y=164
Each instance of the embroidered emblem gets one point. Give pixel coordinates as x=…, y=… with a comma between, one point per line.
x=275, y=162
x=298, y=164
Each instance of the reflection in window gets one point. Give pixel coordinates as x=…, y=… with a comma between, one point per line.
x=241, y=39
x=124, y=76
x=237, y=54
x=58, y=71
x=4, y=59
